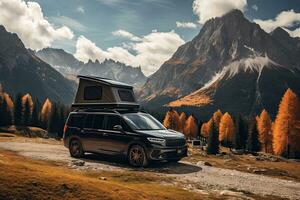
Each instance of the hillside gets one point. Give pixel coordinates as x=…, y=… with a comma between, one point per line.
x=23, y=72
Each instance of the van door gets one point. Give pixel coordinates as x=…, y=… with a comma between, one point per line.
x=93, y=133
x=116, y=141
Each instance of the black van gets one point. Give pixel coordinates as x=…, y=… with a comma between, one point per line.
x=136, y=135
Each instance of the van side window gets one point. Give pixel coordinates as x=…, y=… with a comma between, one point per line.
x=125, y=126
x=93, y=93
x=89, y=121
x=99, y=122
x=111, y=121
x=126, y=95
x=75, y=120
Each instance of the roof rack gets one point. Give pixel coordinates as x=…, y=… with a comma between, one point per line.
x=105, y=81
x=111, y=107
x=106, y=105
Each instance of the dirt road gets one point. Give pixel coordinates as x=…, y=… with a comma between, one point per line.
x=198, y=177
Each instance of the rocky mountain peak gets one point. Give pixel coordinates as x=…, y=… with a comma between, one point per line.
x=229, y=47
x=280, y=32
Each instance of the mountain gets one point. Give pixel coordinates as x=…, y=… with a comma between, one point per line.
x=69, y=66
x=23, y=72
x=232, y=64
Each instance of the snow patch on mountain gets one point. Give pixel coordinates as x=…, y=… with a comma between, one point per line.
x=252, y=64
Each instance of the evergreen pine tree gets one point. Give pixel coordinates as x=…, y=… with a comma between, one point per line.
x=35, y=116
x=252, y=142
x=26, y=117
x=18, y=110
x=1, y=111
x=213, y=140
x=62, y=118
x=53, y=122
x=7, y=118
x=240, y=134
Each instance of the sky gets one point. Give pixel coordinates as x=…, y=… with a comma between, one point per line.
x=136, y=32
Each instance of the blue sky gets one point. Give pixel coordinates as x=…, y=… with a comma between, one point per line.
x=102, y=17
x=136, y=32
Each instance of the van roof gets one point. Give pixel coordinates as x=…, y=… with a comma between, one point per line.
x=105, y=81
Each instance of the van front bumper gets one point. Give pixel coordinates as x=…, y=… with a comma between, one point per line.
x=174, y=153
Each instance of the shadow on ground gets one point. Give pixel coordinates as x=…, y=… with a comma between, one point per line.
x=155, y=166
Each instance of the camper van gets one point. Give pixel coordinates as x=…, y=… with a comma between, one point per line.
x=106, y=119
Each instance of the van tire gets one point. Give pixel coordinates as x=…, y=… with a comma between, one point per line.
x=75, y=148
x=137, y=156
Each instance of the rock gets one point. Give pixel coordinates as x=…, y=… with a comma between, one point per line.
x=103, y=178
x=231, y=193
x=78, y=163
x=259, y=171
x=201, y=163
x=207, y=164
x=274, y=159
x=259, y=158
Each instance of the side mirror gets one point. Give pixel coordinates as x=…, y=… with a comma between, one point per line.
x=118, y=128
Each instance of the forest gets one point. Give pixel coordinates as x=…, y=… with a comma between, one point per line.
x=259, y=133
x=24, y=111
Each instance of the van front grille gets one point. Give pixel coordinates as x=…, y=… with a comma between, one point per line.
x=175, y=142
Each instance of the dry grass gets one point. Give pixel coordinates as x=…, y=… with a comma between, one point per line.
x=284, y=169
x=21, y=178
x=192, y=100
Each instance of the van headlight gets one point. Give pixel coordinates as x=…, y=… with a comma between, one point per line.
x=157, y=141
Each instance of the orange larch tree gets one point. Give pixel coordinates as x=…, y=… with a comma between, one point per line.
x=182, y=119
x=264, y=127
x=191, y=127
x=171, y=120
x=285, y=123
x=46, y=111
x=226, y=129
x=217, y=118
x=206, y=128
x=27, y=97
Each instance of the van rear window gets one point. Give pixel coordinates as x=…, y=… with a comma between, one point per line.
x=126, y=95
x=75, y=120
x=93, y=93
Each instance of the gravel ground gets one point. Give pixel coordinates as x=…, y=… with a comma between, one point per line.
x=198, y=177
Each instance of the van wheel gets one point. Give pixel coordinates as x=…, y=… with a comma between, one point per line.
x=137, y=156
x=76, y=149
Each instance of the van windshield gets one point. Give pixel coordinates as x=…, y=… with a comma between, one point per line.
x=143, y=121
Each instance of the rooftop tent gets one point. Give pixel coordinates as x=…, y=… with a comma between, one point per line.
x=97, y=92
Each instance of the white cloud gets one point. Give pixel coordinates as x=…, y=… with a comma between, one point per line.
x=80, y=9
x=149, y=53
x=126, y=34
x=67, y=21
x=27, y=20
x=285, y=19
x=294, y=33
x=207, y=9
x=186, y=25
x=255, y=7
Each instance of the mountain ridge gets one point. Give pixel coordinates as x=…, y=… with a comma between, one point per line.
x=22, y=72
x=69, y=66
x=221, y=42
